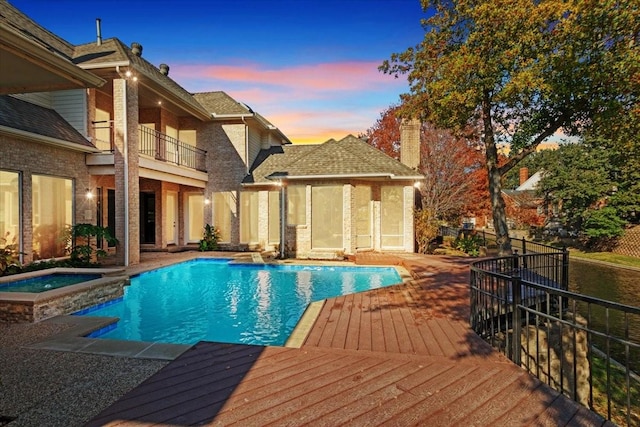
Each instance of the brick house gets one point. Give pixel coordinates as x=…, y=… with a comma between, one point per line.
x=94, y=133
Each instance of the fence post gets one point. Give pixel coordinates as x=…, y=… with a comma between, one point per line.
x=516, y=326
x=565, y=268
x=524, y=246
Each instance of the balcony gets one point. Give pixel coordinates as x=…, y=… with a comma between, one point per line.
x=171, y=150
x=156, y=145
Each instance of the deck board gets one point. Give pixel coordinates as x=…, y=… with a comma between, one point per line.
x=403, y=355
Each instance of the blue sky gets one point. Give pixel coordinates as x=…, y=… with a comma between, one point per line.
x=308, y=66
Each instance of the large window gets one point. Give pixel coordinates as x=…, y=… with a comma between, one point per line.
x=326, y=217
x=362, y=196
x=223, y=206
x=392, y=217
x=249, y=217
x=195, y=217
x=9, y=209
x=297, y=205
x=52, y=213
x=274, y=216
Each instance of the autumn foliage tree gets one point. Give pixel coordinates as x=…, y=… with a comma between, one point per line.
x=525, y=70
x=385, y=133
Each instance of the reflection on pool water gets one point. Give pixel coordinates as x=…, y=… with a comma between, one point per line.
x=214, y=300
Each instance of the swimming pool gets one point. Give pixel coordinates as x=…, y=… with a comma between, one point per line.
x=214, y=300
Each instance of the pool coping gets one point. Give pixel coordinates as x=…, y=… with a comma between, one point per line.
x=74, y=339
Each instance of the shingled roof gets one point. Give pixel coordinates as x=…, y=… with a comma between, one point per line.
x=13, y=18
x=348, y=158
x=28, y=117
x=113, y=50
x=219, y=103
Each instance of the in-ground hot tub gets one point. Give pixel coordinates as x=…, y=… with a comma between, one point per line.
x=39, y=295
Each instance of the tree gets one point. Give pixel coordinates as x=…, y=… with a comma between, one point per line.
x=525, y=70
x=385, y=133
x=449, y=164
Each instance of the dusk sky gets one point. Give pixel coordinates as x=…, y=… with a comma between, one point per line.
x=309, y=66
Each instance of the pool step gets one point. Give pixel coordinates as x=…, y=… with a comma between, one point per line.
x=257, y=259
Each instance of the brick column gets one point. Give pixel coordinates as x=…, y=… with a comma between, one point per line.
x=125, y=111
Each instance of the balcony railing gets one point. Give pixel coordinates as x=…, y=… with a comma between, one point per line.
x=103, y=131
x=171, y=150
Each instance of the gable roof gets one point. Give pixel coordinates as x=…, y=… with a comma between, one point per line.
x=32, y=59
x=113, y=52
x=219, y=103
x=531, y=183
x=25, y=117
x=223, y=107
x=349, y=158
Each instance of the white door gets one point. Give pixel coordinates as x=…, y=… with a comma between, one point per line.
x=170, y=229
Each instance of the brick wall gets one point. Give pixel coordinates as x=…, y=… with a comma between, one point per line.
x=31, y=158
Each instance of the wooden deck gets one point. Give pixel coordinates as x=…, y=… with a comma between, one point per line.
x=403, y=355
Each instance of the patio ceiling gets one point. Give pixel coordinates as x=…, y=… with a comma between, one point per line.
x=28, y=66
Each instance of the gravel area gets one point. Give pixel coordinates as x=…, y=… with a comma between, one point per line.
x=50, y=388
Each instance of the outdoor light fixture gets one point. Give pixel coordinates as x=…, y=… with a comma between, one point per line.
x=207, y=201
x=417, y=184
x=89, y=194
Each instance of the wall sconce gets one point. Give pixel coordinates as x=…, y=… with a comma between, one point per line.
x=207, y=201
x=89, y=194
x=417, y=184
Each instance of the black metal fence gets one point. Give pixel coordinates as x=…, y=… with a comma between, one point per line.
x=586, y=348
x=168, y=149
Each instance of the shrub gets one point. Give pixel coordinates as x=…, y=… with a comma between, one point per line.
x=9, y=257
x=83, y=238
x=426, y=229
x=602, y=227
x=468, y=243
x=210, y=238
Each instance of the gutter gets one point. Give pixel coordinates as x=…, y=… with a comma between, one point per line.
x=105, y=65
x=47, y=140
x=344, y=176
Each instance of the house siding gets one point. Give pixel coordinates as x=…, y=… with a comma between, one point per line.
x=72, y=106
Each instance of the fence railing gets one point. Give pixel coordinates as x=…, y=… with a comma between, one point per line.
x=585, y=347
x=163, y=147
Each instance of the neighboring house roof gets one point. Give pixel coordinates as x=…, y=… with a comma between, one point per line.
x=112, y=52
x=16, y=114
x=345, y=159
x=531, y=183
x=525, y=199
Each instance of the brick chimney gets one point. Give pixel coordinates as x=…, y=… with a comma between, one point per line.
x=524, y=175
x=410, y=143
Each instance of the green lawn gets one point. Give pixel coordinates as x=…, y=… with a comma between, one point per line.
x=606, y=256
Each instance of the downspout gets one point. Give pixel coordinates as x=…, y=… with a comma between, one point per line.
x=246, y=146
x=283, y=193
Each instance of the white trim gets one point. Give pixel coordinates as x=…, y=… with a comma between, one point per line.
x=47, y=140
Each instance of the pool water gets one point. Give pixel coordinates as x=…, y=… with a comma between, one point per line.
x=46, y=283
x=233, y=303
